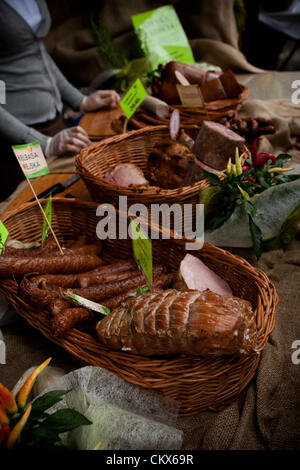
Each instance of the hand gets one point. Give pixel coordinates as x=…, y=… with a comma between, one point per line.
x=67, y=142
x=100, y=99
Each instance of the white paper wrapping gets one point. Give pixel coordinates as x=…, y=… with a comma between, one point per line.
x=124, y=416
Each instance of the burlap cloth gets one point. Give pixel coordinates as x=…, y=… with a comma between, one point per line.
x=266, y=416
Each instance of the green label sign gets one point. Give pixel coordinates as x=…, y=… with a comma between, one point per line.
x=3, y=235
x=133, y=98
x=31, y=159
x=162, y=37
x=142, y=250
x=48, y=212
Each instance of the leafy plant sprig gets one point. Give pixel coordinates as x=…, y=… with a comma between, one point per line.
x=238, y=184
x=32, y=426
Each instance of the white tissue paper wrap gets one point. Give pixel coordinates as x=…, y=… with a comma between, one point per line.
x=124, y=416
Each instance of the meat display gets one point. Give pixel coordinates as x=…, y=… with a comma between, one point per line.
x=172, y=322
x=215, y=144
x=213, y=85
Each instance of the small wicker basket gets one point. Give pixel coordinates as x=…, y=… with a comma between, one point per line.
x=197, y=383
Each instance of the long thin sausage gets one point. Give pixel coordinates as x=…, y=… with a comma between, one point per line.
x=60, y=264
x=103, y=291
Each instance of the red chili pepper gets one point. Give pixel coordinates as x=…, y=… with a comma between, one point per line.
x=4, y=433
x=245, y=168
x=250, y=179
x=263, y=157
x=254, y=152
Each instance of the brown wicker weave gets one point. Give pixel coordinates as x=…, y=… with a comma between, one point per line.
x=197, y=383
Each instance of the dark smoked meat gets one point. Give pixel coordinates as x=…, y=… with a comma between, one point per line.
x=172, y=166
x=171, y=322
x=215, y=144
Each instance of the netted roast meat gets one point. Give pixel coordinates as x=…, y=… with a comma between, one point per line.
x=171, y=322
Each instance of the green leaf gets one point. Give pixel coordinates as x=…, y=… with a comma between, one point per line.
x=212, y=178
x=287, y=178
x=206, y=194
x=46, y=434
x=257, y=239
x=36, y=416
x=282, y=159
x=48, y=399
x=262, y=181
x=250, y=209
x=65, y=420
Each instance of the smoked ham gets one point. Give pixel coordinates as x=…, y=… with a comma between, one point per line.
x=194, y=274
x=126, y=175
x=171, y=322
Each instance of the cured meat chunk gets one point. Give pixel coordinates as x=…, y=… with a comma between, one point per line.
x=194, y=274
x=215, y=144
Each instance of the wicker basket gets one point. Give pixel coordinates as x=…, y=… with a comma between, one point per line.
x=197, y=383
x=95, y=161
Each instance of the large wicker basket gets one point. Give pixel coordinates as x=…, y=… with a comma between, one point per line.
x=197, y=383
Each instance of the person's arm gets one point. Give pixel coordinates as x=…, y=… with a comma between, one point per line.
x=15, y=132
x=68, y=92
x=97, y=100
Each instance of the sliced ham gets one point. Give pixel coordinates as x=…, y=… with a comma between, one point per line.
x=194, y=274
x=126, y=175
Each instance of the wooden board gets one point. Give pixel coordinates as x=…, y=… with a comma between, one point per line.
x=77, y=190
x=97, y=124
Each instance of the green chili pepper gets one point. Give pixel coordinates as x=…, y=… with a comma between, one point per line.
x=238, y=164
x=229, y=167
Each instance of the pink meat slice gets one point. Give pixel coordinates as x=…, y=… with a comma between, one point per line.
x=126, y=174
x=199, y=277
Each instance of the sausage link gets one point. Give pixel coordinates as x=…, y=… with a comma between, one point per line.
x=60, y=264
x=61, y=323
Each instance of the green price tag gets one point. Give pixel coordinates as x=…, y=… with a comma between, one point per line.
x=48, y=212
x=142, y=249
x=133, y=98
x=3, y=235
x=31, y=159
x=162, y=36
